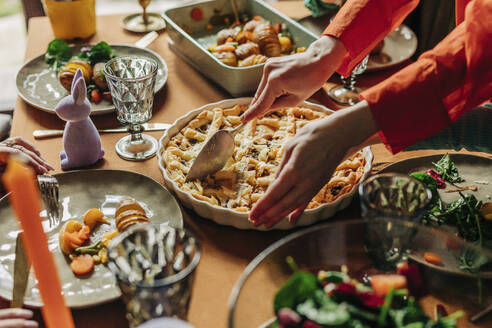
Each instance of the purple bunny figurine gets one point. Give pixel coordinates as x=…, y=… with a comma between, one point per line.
x=81, y=141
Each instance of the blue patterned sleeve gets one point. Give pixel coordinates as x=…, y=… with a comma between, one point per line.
x=473, y=132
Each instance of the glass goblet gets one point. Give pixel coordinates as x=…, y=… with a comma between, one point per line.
x=347, y=93
x=396, y=197
x=131, y=80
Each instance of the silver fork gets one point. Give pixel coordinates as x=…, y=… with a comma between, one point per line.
x=48, y=186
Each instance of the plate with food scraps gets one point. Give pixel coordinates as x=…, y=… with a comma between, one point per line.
x=84, y=196
x=43, y=85
x=456, y=213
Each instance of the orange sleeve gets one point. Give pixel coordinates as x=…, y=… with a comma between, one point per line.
x=362, y=24
x=440, y=86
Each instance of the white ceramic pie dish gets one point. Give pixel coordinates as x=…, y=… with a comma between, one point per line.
x=239, y=220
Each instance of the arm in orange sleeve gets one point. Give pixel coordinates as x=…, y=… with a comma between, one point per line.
x=362, y=24
x=440, y=86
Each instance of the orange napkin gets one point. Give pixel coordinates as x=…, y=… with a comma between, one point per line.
x=20, y=181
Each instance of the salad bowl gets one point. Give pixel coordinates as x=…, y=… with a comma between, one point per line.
x=341, y=246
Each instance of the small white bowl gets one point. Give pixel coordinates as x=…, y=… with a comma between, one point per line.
x=225, y=216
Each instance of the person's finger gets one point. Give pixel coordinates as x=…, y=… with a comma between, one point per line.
x=276, y=219
x=14, y=313
x=26, y=144
x=285, y=101
x=37, y=162
x=286, y=204
x=6, y=152
x=18, y=323
x=294, y=216
x=299, y=195
x=261, y=106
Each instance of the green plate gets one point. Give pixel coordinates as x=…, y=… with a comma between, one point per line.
x=38, y=85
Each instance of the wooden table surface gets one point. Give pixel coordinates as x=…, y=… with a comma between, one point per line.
x=225, y=251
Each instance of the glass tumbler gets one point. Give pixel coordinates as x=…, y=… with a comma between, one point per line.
x=131, y=80
x=154, y=267
x=395, y=197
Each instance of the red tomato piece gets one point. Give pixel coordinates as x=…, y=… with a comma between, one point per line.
x=383, y=283
x=95, y=96
x=197, y=14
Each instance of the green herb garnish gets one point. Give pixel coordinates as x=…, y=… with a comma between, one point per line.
x=91, y=249
x=448, y=171
x=57, y=54
x=98, y=53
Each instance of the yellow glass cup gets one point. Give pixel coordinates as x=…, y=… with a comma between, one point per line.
x=72, y=19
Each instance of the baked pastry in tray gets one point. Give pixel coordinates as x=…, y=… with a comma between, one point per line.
x=259, y=147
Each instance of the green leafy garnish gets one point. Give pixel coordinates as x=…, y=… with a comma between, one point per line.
x=101, y=52
x=324, y=311
x=299, y=288
x=448, y=171
x=57, y=54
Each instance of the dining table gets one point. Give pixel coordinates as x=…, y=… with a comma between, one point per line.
x=225, y=251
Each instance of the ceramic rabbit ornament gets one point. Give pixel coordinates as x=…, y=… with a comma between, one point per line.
x=81, y=141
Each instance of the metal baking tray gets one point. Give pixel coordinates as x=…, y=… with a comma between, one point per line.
x=190, y=39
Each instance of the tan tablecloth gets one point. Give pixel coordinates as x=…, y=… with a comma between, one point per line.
x=225, y=251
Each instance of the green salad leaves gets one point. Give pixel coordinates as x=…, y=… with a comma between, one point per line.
x=333, y=299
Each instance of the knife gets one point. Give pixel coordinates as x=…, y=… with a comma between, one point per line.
x=21, y=274
x=41, y=134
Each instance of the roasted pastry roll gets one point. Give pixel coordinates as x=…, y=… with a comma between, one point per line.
x=247, y=49
x=225, y=34
x=228, y=58
x=253, y=60
x=68, y=72
x=266, y=38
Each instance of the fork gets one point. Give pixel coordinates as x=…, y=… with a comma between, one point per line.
x=48, y=186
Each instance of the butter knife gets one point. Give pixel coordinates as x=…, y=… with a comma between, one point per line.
x=21, y=274
x=41, y=134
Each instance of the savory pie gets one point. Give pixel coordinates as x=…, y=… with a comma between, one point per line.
x=258, y=150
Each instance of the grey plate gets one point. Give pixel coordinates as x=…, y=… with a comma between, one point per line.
x=79, y=191
x=38, y=85
x=471, y=168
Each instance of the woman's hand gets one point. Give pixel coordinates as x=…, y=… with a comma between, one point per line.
x=309, y=160
x=16, y=318
x=20, y=147
x=289, y=80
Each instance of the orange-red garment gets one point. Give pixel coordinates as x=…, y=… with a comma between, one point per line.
x=362, y=24
x=440, y=86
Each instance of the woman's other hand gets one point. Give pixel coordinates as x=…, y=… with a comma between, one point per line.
x=310, y=159
x=16, y=318
x=20, y=147
x=288, y=80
